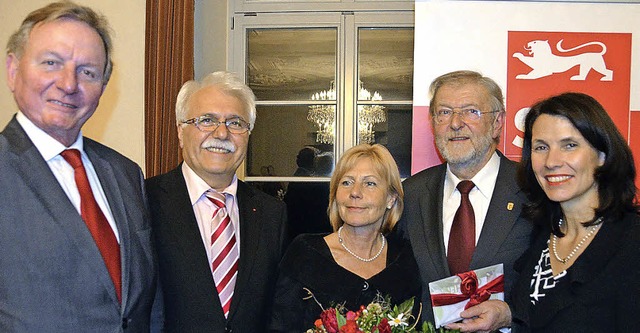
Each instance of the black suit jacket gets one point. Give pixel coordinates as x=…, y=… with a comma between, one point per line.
x=504, y=237
x=191, y=302
x=602, y=289
x=52, y=275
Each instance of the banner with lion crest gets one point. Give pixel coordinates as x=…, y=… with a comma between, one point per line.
x=533, y=50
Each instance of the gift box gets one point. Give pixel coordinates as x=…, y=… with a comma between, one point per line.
x=454, y=294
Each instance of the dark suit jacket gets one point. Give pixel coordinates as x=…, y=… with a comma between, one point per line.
x=52, y=276
x=504, y=237
x=602, y=289
x=190, y=298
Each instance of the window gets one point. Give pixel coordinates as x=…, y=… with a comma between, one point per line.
x=324, y=82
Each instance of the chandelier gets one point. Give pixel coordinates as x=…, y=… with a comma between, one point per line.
x=323, y=116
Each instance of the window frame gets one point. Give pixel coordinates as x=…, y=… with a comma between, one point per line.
x=346, y=85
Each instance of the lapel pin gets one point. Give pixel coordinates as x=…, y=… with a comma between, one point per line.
x=510, y=206
x=253, y=209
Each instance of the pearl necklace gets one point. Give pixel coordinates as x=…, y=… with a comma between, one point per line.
x=384, y=242
x=554, y=241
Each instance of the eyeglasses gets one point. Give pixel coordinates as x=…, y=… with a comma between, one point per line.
x=467, y=115
x=207, y=123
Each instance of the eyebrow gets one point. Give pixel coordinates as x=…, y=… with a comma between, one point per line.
x=57, y=55
x=464, y=106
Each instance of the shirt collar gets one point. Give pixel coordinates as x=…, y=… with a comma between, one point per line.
x=46, y=145
x=485, y=179
x=197, y=187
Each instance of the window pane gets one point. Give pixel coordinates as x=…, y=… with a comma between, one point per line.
x=394, y=133
x=281, y=134
x=290, y=64
x=385, y=62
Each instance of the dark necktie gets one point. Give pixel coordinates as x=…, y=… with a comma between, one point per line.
x=224, y=250
x=95, y=220
x=462, y=239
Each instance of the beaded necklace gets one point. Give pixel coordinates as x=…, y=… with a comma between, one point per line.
x=554, y=241
x=384, y=242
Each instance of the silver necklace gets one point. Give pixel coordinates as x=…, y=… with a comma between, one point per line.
x=384, y=242
x=554, y=241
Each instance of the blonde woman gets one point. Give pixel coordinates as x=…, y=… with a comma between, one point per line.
x=359, y=259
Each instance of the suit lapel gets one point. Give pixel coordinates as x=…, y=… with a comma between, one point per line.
x=178, y=213
x=35, y=172
x=114, y=194
x=504, y=210
x=431, y=211
x=250, y=230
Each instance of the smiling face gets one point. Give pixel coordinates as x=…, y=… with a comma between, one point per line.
x=214, y=156
x=362, y=196
x=58, y=80
x=466, y=145
x=564, y=162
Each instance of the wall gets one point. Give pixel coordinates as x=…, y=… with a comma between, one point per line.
x=119, y=120
x=211, y=36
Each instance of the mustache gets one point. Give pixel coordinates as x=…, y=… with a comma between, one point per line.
x=219, y=144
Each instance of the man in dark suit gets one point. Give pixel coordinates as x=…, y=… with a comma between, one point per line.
x=214, y=119
x=467, y=115
x=74, y=227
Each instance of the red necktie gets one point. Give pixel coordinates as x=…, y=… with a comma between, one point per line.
x=224, y=250
x=95, y=220
x=462, y=239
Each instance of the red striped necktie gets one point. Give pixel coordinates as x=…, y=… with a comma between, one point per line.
x=95, y=220
x=224, y=251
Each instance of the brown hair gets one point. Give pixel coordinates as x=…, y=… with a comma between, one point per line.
x=64, y=10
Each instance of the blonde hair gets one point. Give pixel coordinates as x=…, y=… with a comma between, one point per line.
x=386, y=167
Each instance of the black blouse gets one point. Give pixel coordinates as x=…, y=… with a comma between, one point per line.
x=309, y=264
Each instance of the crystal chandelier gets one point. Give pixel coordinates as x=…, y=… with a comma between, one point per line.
x=324, y=115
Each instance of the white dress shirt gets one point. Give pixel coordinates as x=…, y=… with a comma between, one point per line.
x=50, y=150
x=204, y=209
x=480, y=196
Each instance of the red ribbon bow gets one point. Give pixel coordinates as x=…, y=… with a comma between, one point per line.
x=470, y=291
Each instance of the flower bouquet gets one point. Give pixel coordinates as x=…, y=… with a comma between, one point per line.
x=378, y=316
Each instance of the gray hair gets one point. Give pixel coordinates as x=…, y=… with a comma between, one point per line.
x=228, y=83
x=464, y=77
x=64, y=10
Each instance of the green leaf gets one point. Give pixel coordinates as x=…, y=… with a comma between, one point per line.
x=405, y=307
x=341, y=319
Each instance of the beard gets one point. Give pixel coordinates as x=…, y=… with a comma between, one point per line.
x=471, y=153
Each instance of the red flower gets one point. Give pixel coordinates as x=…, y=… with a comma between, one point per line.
x=469, y=283
x=350, y=327
x=318, y=323
x=352, y=315
x=384, y=326
x=329, y=320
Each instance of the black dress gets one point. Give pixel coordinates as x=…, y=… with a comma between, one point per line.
x=309, y=264
x=598, y=293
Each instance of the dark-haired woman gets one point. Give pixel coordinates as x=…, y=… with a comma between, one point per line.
x=582, y=273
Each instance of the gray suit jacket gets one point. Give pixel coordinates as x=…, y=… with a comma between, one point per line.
x=504, y=237
x=191, y=302
x=52, y=276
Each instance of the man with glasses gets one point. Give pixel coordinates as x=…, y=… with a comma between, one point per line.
x=218, y=240
x=467, y=116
